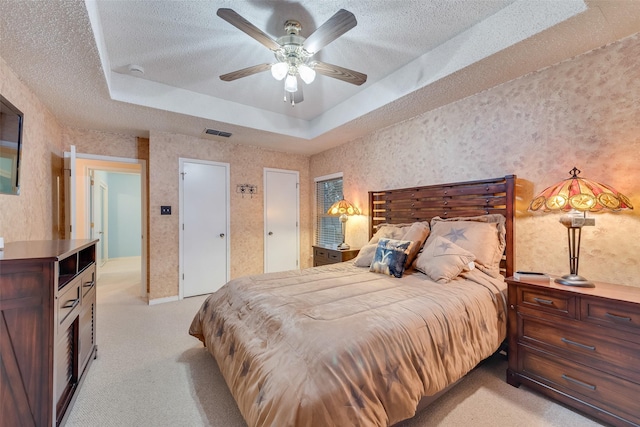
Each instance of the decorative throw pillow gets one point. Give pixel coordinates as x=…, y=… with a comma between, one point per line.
x=443, y=260
x=483, y=236
x=417, y=233
x=387, y=231
x=365, y=256
x=390, y=257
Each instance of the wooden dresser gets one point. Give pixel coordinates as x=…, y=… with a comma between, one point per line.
x=580, y=346
x=47, y=327
x=323, y=255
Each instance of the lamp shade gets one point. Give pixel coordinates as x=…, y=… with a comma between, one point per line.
x=279, y=70
x=307, y=74
x=291, y=83
x=580, y=194
x=343, y=207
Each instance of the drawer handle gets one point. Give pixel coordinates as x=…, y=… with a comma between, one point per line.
x=88, y=284
x=617, y=318
x=577, y=344
x=543, y=301
x=71, y=303
x=580, y=383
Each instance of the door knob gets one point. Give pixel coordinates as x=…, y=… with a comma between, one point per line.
x=222, y=235
x=271, y=233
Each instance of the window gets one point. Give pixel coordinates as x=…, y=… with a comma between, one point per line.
x=328, y=228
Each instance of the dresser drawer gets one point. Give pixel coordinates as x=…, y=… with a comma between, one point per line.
x=597, y=388
x=88, y=280
x=323, y=256
x=615, y=314
x=592, y=348
x=562, y=304
x=320, y=253
x=68, y=300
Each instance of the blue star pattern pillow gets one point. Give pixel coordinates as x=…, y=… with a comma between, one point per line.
x=390, y=257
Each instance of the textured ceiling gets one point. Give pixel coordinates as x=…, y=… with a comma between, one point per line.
x=418, y=55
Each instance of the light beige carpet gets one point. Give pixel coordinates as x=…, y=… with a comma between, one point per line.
x=150, y=372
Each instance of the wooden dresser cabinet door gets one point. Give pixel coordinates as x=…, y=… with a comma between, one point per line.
x=24, y=339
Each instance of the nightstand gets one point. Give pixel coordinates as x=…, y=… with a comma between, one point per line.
x=580, y=346
x=323, y=255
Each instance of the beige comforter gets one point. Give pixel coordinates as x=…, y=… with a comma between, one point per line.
x=340, y=346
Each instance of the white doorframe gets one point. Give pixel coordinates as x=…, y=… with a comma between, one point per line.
x=69, y=159
x=264, y=185
x=70, y=194
x=227, y=202
x=104, y=217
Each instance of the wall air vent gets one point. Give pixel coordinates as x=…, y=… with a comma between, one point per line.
x=217, y=133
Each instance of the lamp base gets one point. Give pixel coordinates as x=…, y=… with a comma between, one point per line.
x=343, y=246
x=574, y=280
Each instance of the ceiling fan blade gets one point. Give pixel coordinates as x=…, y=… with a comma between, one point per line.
x=340, y=73
x=336, y=26
x=238, y=74
x=243, y=25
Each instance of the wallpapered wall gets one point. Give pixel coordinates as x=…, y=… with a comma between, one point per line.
x=35, y=213
x=247, y=214
x=582, y=112
x=247, y=217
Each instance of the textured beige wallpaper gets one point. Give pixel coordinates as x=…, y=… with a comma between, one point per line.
x=247, y=214
x=582, y=112
x=35, y=213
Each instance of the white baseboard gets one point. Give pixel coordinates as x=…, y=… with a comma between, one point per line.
x=163, y=300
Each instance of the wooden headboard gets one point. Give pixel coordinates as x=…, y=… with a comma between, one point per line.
x=460, y=199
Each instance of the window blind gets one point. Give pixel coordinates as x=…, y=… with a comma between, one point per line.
x=328, y=228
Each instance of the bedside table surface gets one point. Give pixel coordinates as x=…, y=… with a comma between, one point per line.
x=602, y=289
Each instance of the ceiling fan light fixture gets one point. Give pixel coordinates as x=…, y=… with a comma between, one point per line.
x=293, y=52
x=291, y=83
x=307, y=74
x=279, y=70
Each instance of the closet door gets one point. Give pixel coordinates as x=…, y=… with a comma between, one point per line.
x=281, y=219
x=204, y=226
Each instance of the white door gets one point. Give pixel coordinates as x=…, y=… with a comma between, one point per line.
x=204, y=231
x=98, y=209
x=100, y=227
x=281, y=219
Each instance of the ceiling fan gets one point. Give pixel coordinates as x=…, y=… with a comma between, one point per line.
x=294, y=53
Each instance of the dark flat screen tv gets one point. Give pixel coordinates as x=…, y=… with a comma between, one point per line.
x=10, y=147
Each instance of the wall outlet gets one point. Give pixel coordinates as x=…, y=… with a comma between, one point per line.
x=165, y=210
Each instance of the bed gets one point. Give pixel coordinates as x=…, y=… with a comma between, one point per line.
x=352, y=343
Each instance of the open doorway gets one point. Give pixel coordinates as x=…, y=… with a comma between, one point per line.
x=106, y=201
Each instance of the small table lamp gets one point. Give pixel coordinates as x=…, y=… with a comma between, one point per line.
x=345, y=209
x=576, y=196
